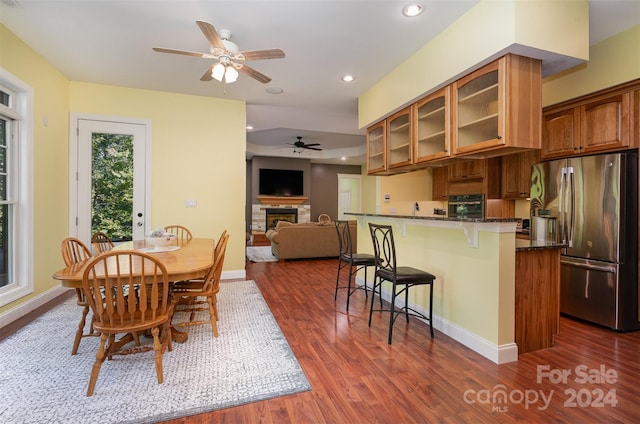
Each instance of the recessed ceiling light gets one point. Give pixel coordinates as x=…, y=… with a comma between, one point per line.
x=343, y=158
x=412, y=10
x=348, y=78
x=274, y=90
x=249, y=127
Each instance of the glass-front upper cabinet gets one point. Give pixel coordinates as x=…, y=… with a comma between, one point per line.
x=376, y=148
x=399, y=138
x=478, y=113
x=432, y=127
x=497, y=106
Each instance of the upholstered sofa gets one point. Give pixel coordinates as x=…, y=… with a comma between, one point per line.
x=307, y=239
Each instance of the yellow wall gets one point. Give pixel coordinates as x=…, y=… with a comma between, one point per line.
x=411, y=186
x=198, y=152
x=369, y=191
x=612, y=61
x=50, y=156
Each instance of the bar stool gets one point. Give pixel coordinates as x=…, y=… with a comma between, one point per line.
x=355, y=261
x=401, y=277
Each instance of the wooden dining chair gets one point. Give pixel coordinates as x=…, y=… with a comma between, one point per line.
x=101, y=242
x=128, y=292
x=180, y=231
x=189, y=291
x=73, y=252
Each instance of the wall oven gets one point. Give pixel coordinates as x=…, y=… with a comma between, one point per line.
x=466, y=206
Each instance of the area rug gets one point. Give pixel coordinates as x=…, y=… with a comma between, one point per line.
x=250, y=361
x=260, y=254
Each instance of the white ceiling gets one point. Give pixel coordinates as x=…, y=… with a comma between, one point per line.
x=110, y=42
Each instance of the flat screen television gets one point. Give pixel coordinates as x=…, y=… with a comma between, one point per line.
x=280, y=182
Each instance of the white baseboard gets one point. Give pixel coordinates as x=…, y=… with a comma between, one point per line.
x=31, y=304
x=238, y=274
x=499, y=354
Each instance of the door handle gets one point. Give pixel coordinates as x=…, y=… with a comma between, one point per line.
x=590, y=267
x=139, y=224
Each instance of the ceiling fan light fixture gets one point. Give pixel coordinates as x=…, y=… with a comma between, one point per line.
x=218, y=72
x=230, y=75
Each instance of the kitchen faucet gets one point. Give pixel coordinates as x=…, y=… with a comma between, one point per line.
x=416, y=207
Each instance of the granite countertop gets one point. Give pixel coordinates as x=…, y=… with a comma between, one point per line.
x=436, y=218
x=524, y=245
x=521, y=244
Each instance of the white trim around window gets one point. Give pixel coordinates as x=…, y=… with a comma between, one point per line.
x=21, y=238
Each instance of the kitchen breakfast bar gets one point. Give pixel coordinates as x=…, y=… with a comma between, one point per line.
x=493, y=293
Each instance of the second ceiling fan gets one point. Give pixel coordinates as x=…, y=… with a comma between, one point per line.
x=226, y=53
x=299, y=144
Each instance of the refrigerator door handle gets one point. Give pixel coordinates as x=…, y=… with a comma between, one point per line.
x=572, y=208
x=589, y=266
x=561, y=216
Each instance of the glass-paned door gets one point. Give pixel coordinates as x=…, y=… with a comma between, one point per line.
x=112, y=180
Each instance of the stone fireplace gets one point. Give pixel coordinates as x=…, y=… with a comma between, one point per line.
x=273, y=215
x=259, y=215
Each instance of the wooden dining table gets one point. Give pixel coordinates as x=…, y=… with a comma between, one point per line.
x=186, y=260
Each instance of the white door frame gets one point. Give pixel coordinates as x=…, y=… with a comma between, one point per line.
x=74, y=166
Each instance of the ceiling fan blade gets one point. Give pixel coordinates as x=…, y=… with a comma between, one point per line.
x=312, y=148
x=184, y=52
x=207, y=75
x=312, y=144
x=211, y=34
x=253, y=73
x=263, y=54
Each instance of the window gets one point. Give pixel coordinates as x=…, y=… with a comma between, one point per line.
x=16, y=188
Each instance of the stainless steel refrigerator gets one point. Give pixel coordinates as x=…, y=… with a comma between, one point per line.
x=590, y=204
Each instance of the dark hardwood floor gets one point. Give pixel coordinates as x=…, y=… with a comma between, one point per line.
x=358, y=378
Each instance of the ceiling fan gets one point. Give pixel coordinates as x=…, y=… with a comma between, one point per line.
x=299, y=145
x=230, y=58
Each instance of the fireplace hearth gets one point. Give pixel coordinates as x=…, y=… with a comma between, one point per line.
x=273, y=215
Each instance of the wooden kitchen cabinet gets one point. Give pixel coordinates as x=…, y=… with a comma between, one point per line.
x=377, y=148
x=493, y=111
x=499, y=106
x=475, y=176
x=537, y=298
x=596, y=123
x=605, y=123
x=399, y=137
x=467, y=170
x=560, y=133
x=516, y=174
x=439, y=183
x=432, y=127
